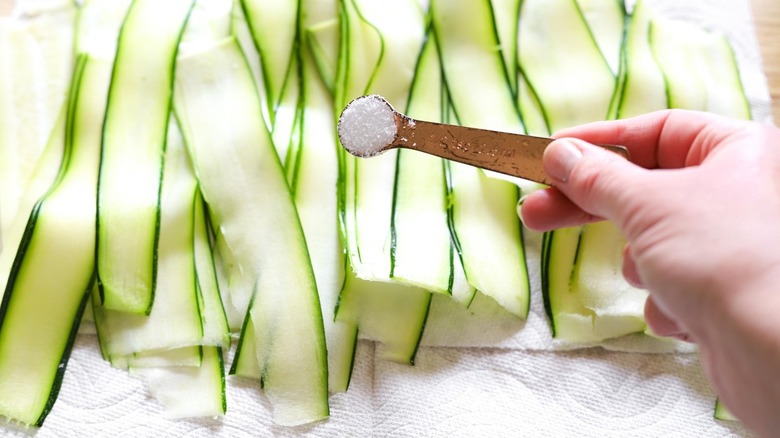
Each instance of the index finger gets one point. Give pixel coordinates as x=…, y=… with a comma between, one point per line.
x=664, y=139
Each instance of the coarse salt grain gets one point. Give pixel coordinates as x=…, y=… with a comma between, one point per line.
x=367, y=126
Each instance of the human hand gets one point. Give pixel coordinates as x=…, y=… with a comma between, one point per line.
x=700, y=208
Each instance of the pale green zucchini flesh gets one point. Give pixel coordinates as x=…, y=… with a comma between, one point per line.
x=420, y=246
x=321, y=39
x=483, y=219
x=563, y=64
x=42, y=179
x=46, y=289
x=134, y=135
x=700, y=69
x=176, y=357
x=587, y=298
x=378, y=52
x=674, y=46
x=221, y=117
x=606, y=20
x=317, y=169
x=175, y=320
x=273, y=28
x=386, y=313
x=722, y=412
x=245, y=360
x=506, y=13
x=643, y=84
x=528, y=104
x=252, y=218
x=214, y=322
x=189, y=391
x=597, y=281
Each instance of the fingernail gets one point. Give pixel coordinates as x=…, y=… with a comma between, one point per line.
x=521, y=200
x=685, y=337
x=520, y=207
x=560, y=157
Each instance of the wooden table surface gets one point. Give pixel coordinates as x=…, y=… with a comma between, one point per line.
x=766, y=14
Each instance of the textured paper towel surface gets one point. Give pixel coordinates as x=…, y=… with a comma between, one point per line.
x=519, y=387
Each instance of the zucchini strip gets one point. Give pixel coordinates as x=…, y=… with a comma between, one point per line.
x=378, y=51
x=676, y=59
x=322, y=41
x=585, y=295
x=386, y=313
x=725, y=92
x=316, y=198
x=484, y=221
x=644, y=87
x=187, y=391
x=42, y=179
x=25, y=120
x=239, y=28
x=380, y=42
x=98, y=24
x=597, y=282
x=245, y=361
x=563, y=63
x=36, y=62
x=606, y=20
x=528, y=103
x=274, y=32
x=221, y=117
x=316, y=163
x=46, y=290
x=175, y=320
x=722, y=412
x=286, y=129
x=507, y=13
x=176, y=357
x=699, y=67
x=570, y=320
x=421, y=250
x=134, y=133
x=216, y=330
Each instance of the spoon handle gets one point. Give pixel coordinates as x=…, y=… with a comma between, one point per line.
x=510, y=154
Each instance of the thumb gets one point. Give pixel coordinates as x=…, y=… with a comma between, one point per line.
x=598, y=181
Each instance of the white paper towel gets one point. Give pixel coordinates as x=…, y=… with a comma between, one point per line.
x=517, y=387
x=450, y=392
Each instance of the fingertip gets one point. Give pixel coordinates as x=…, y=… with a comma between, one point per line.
x=600, y=182
x=560, y=158
x=549, y=209
x=661, y=324
x=630, y=272
x=533, y=212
